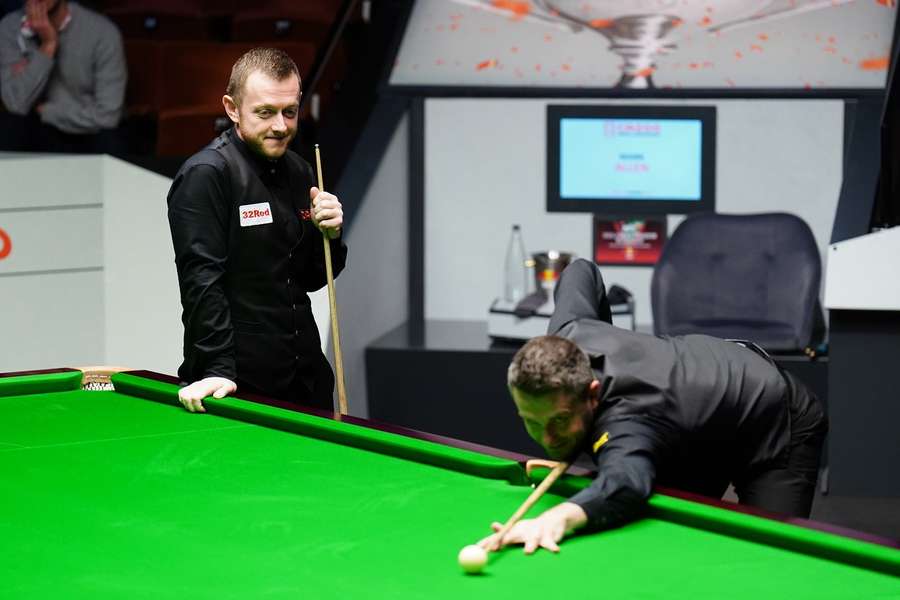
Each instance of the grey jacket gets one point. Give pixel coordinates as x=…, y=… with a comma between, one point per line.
x=82, y=87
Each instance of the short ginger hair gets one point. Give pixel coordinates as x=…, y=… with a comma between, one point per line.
x=271, y=62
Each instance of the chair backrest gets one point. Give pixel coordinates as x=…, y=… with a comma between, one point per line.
x=751, y=277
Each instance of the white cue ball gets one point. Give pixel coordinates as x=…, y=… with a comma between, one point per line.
x=472, y=558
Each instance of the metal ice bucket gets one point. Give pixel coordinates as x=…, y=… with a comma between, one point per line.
x=548, y=266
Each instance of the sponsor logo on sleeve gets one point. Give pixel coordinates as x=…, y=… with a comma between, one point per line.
x=600, y=442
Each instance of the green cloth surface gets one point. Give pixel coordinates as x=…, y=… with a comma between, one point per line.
x=104, y=495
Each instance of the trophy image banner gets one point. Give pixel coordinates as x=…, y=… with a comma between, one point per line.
x=782, y=43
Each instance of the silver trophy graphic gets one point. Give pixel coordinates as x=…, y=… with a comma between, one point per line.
x=640, y=31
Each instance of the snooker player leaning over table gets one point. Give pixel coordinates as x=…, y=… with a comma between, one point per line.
x=692, y=412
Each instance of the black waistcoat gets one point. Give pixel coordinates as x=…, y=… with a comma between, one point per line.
x=274, y=257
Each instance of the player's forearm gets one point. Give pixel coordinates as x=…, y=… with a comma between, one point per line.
x=207, y=319
x=212, y=344
x=613, y=510
x=221, y=366
x=619, y=493
x=338, y=255
x=315, y=278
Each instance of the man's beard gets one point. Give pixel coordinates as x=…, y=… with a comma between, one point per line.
x=567, y=451
x=578, y=440
x=258, y=145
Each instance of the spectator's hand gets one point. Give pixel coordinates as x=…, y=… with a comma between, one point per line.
x=543, y=532
x=39, y=22
x=218, y=387
x=327, y=213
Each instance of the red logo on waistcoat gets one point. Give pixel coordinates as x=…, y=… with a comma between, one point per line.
x=255, y=212
x=305, y=214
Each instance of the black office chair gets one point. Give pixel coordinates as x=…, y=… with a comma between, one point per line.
x=749, y=277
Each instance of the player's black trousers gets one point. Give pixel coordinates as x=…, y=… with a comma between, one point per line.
x=789, y=487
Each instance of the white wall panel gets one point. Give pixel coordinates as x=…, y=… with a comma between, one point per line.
x=863, y=274
x=49, y=321
x=143, y=309
x=49, y=180
x=52, y=239
x=372, y=290
x=90, y=278
x=485, y=166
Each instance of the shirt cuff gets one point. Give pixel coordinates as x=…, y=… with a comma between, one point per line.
x=604, y=512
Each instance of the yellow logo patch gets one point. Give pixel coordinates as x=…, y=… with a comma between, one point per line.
x=602, y=440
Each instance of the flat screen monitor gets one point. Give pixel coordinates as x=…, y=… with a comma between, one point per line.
x=631, y=160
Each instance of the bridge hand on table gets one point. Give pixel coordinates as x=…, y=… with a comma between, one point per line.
x=191, y=396
x=544, y=531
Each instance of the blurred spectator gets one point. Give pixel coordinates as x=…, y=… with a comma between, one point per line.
x=7, y=6
x=62, y=79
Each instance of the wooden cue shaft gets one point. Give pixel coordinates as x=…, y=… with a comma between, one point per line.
x=332, y=302
x=536, y=494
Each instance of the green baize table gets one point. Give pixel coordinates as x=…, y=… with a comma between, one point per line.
x=124, y=494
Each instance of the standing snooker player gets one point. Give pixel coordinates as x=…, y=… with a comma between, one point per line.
x=248, y=247
x=692, y=412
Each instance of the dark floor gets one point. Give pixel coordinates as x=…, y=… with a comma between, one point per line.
x=880, y=516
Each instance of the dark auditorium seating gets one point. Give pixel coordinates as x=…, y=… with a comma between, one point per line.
x=180, y=54
x=193, y=81
x=284, y=20
x=145, y=76
x=183, y=131
x=196, y=73
x=161, y=19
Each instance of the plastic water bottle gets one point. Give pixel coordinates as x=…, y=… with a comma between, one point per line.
x=516, y=281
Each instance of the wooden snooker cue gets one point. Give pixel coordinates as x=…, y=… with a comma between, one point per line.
x=536, y=494
x=332, y=302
